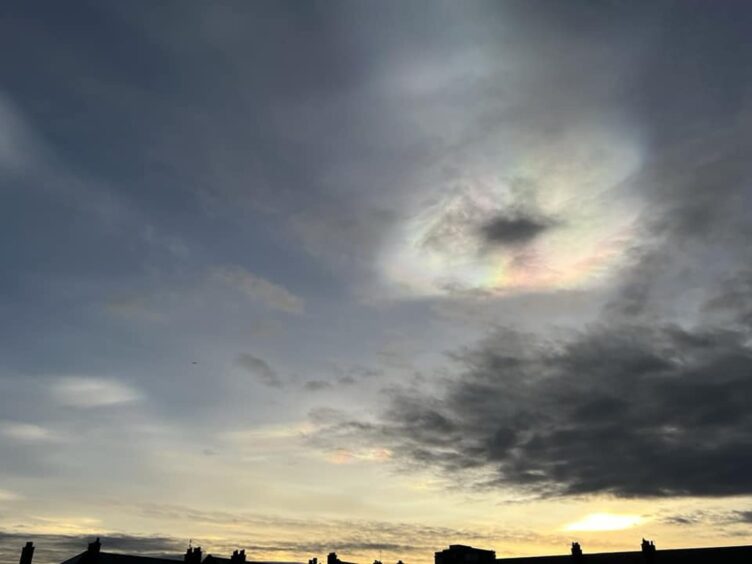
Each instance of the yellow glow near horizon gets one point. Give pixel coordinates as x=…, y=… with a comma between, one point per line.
x=604, y=522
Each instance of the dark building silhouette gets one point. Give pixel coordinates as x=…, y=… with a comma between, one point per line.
x=333, y=559
x=193, y=555
x=239, y=557
x=577, y=552
x=461, y=554
x=94, y=555
x=648, y=554
x=455, y=554
x=27, y=553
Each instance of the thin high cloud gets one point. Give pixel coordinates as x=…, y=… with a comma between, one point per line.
x=25, y=432
x=88, y=392
x=259, y=289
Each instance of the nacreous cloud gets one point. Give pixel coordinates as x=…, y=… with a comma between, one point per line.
x=545, y=219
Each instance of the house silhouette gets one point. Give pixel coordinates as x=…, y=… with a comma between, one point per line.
x=455, y=554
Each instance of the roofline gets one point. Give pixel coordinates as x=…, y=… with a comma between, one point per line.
x=623, y=552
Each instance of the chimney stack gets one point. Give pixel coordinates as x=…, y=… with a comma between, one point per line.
x=92, y=552
x=648, y=550
x=332, y=558
x=94, y=547
x=238, y=556
x=193, y=555
x=27, y=553
x=576, y=552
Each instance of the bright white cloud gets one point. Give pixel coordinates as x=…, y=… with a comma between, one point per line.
x=92, y=392
x=25, y=432
x=604, y=522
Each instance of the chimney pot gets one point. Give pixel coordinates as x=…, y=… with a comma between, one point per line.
x=95, y=547
x=27, y=553
x=192, y=555
x=576, y=551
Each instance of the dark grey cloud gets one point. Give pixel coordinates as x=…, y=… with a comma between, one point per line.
x=317, y=385
x=707, y=517
x=513, y=229
x=630, y=410
x=260, y=369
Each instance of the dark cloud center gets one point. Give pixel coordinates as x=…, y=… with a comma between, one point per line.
x=514, y=229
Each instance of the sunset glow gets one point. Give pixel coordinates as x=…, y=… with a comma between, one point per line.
x=374, y=278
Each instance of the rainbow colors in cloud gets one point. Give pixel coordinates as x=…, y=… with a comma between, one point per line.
x=555, y=219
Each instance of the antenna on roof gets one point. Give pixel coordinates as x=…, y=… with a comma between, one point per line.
x=190, y=543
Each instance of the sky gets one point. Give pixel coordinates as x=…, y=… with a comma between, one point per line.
x=375, y=277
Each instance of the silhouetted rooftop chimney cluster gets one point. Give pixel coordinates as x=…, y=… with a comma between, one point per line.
x=576, y=552
x=455, y=554
x=95, y=547
x=648, y=550
x=193, y=555
x=92, y=552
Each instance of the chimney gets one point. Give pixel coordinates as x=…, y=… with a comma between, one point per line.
x=576, y=552
x=648, y=550
x=27, y=553
x=94, y=547
x=193, y=555
x=238, y=556
x=332, y=558
x=92, y=552
x=313, y=560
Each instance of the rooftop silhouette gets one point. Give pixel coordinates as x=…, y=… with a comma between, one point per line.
x=455, y=554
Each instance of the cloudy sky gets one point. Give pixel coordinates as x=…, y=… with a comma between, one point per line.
x=375, y=277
